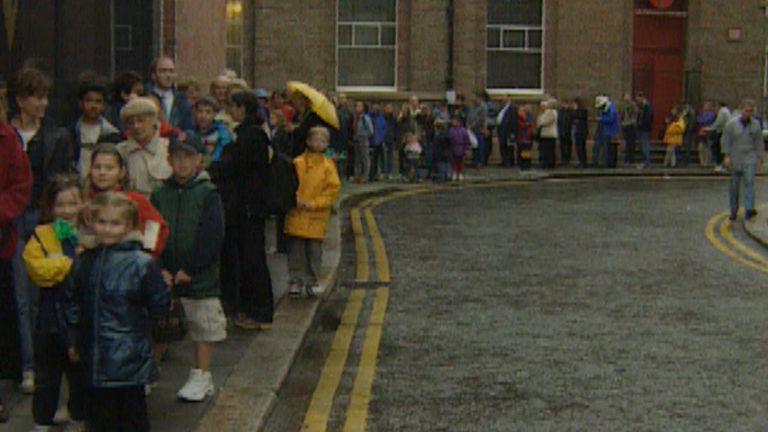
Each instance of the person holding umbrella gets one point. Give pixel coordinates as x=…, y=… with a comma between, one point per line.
x=313, y=109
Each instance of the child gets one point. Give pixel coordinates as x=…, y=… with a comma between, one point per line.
x=48, y=257
x=91, y=128
x=212, y=132
x=117, y=292
x=190, y=201
x=673, y=138
x=412, y=152
x=109, y=173
x=459, y=138
x=306, y=224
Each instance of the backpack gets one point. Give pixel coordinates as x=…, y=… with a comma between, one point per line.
x=283, y=184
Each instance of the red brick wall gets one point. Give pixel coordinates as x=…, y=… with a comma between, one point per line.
x=200, y=38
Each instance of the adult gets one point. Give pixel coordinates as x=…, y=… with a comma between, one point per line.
x=564, y=121
x=241, y=174
x=490, y=125
x=507, y=124
x=628, y=111
x=126, y=86
x=15, y=190
x=145, y=150
x=362, y=130
x=743, y=149
x=380, y=128
x=307, y=119
x=717, y=128
x=689, y=117
x=175, y=105
x=579, y=130
x=607, y=127
x=704, y=119
x=477, y=114
x=546, y=123
x=643, y=127
x=50, y=152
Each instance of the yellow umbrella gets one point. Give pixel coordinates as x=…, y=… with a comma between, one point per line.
x=318, y=102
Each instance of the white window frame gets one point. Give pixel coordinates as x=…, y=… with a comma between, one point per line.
x=526, y=49
x=227, y=45
x=394, y=47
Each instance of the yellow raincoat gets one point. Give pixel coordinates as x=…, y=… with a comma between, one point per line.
x=46, y=271
x=674, y=133
x=318, y=185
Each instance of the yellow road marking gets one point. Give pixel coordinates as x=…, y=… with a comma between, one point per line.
x=361, y=250
x=725, y=232
x=316, y=419
x=710, y=234
x=377, y=243
x=357, y=410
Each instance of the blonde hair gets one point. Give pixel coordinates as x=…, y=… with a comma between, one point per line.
x=139, y=106
x=117, y=200
x=319, y=131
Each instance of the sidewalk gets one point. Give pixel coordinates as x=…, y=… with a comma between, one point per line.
x=250, y=367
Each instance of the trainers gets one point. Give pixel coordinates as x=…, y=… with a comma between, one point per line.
x=27, y=385
x=198, y=386
x=294, y=289
x=314, y=290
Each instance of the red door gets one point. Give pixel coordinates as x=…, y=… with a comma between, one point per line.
x=658, y=53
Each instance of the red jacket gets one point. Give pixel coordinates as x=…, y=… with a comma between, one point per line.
x=147, y=212
x=15, y=187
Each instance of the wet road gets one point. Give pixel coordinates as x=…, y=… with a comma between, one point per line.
x=560, y=305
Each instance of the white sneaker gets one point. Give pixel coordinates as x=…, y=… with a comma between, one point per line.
x=198, y=386
x=315, y=290
x=27, y=385
x=41, y=428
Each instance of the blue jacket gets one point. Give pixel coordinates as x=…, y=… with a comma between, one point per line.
x=181, y=111
x=116, y=294
x=219, y=134
x=609, y=120
x=379, y=128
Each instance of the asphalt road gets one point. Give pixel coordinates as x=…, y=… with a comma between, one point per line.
x=560, y=305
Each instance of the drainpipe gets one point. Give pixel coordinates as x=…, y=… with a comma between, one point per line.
x=449, y=71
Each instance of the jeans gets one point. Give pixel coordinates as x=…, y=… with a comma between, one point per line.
x=478, y=154
x=629, y=139
x=747, y=175
x=377, y=156
x=389, y=149
x=305, y=257
x=717, y=156
x=598, y=148
x=27, y=293
x=687, y=144
x=644, y=138
x=413, y=169
x=580, y=142
x=362, y=158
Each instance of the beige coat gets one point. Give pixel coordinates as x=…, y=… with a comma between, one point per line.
x=147, y=166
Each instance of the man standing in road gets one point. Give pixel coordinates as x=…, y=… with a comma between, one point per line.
x=743, y=149
x=175, y=105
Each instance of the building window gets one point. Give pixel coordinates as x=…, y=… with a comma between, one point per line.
x=366, y=44
x=515, y=42
x=234, y=43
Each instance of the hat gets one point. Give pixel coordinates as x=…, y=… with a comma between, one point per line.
x=261, y=93
x=138, y=106
x=187, y=140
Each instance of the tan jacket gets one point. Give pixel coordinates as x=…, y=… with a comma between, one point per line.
x=147, y=166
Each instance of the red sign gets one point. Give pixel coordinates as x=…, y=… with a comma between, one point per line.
x=662, y=4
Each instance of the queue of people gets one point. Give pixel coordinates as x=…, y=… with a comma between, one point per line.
x=143, y=222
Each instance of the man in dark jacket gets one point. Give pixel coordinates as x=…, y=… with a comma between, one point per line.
x=644, y=126
x=176, y=108
x=507, y=125
x=242, y=175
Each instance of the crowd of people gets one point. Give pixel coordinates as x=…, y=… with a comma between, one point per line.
x=145, y=219
x=144, y=222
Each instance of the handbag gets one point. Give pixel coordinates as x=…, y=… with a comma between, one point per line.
x=473, y=143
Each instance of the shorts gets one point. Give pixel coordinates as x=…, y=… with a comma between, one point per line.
x=205, y=319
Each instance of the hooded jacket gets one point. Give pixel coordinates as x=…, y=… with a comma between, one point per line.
x=318, y=185
x=116, y=294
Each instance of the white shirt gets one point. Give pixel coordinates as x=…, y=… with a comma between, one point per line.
x=26, y=137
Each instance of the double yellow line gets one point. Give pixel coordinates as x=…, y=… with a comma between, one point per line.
x=718, y=232
x=318, y=413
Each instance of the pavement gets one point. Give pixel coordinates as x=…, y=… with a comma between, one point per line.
x=250, y=367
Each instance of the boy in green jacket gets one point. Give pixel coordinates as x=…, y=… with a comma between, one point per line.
x=190, y=262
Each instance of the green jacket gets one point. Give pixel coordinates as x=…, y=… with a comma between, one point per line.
x=196, y=221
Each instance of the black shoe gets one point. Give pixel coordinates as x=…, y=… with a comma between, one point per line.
x=750, y=214
x=732, y=216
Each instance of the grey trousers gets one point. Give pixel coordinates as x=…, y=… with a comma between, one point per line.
x=305, y=258
x=362, y=158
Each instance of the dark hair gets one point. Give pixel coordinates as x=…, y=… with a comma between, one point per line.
x=110, y=149
x=640, y=94
x=206, y=101
x=248, y=100
x=91, y=85
x=124, y=83
x=55, y=186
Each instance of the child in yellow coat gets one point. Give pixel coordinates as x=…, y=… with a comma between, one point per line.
x=48, y=257
x=673, y=138
x=305, y=225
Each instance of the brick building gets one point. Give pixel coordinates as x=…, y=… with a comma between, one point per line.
x=670, y=49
